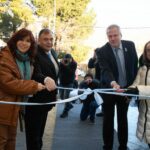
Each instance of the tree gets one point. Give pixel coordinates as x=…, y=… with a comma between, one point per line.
x=8, y=24
x=44, y=8
x=75, y=23
x=13, y=14
x=79, y=53
x=23, y=11
x=72, y=20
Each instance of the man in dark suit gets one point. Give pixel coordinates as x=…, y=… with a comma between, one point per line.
x=46, y=72
x=118, y=64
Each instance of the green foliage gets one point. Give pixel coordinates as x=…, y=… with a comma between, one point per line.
x=43, y=7
x=68, y=9
x=75, y=24
x=8, y=24
x=23, y=11
x=3, y=4
x=61, y=55
x=72, y=18
x=80, y=53
x=12, y=15
x=82, y=26
x=73, y=21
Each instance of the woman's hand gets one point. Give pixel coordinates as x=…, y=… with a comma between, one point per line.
x=41, y=87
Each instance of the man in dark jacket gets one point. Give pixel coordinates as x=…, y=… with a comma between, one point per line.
x=46, y=72
x=67, y=78
x=118, y=64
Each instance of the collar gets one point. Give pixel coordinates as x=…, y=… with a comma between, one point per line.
x=49, y=52
x=42, y=49
x=120, y=47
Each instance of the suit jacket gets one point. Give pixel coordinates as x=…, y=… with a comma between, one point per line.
x=108, y=64
x=44, y=67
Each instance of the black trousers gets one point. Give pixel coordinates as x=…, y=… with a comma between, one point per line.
x=110, y=101
x=35, y=122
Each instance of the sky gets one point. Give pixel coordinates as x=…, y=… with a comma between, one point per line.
x=130, y=15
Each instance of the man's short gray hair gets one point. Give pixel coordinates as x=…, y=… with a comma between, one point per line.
x=113, y=26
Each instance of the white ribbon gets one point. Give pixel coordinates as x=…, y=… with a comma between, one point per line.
x=86, y=93
x=98, y=98
x=83, y=96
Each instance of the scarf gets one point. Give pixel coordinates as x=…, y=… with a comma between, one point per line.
x=23, y=62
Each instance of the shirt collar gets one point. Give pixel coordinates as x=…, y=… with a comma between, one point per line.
x=120, y=47
x=48, y=53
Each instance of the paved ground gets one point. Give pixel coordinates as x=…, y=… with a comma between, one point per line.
x=72, y=134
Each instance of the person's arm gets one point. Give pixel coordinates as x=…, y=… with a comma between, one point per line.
x=141, y=90
x=91, y=63
x=134, y=88
x=12, y=85
x=95, y=84
x=137, y=79
x=40, y=77
x=144, y=90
